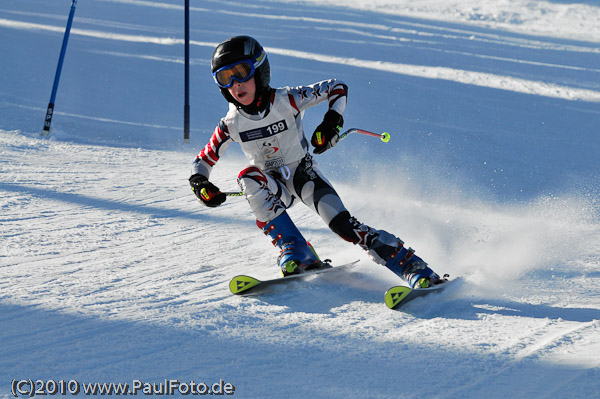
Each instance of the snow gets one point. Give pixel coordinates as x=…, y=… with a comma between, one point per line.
x=111, y=271
x=554, y=18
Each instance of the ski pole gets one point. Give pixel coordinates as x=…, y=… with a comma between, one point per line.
x=385, y=137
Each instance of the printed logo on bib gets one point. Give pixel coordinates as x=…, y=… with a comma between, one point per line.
x=264, y=132
x=271, y=152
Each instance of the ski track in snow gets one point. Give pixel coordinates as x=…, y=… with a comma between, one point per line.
x=111, y=271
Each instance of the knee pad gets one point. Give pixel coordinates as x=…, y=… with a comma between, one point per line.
x=266, y=196
x=254, y=175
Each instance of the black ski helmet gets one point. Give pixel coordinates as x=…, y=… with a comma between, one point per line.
x=241, y=48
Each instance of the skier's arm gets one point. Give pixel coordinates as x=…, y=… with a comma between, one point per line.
x=207, y=192
x=326, y=135
x=212, y=151
x=333, y=90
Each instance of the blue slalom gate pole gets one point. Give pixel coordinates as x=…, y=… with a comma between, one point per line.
x=61, y=58
x=186, y=106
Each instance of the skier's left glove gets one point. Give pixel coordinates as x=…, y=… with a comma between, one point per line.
x=326, y=135
x=208, y=193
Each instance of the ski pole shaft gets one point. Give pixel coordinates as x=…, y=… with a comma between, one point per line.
x=207, y=196
x=385, y=136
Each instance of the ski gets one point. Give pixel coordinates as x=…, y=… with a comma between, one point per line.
x=400, y=295
x=244, y=285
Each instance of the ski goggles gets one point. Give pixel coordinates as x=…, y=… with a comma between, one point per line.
x=240, y=71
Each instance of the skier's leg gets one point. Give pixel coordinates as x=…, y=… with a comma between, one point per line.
x=297, y=255
x=269, y=199
x=385, y=249
x=315, y=191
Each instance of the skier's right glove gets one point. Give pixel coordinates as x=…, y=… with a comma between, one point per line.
x=208, y=193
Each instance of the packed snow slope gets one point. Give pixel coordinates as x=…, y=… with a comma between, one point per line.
x=111, y=271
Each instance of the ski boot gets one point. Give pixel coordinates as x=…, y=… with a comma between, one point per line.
x=389, y=250
x=297, y=255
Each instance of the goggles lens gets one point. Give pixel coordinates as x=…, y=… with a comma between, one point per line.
x=240, y=71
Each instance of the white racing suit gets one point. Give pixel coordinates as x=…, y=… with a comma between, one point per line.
x=281, y=170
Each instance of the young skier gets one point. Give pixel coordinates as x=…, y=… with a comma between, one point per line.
x=267, y=124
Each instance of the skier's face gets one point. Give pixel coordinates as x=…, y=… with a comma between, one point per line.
x=243, y=92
